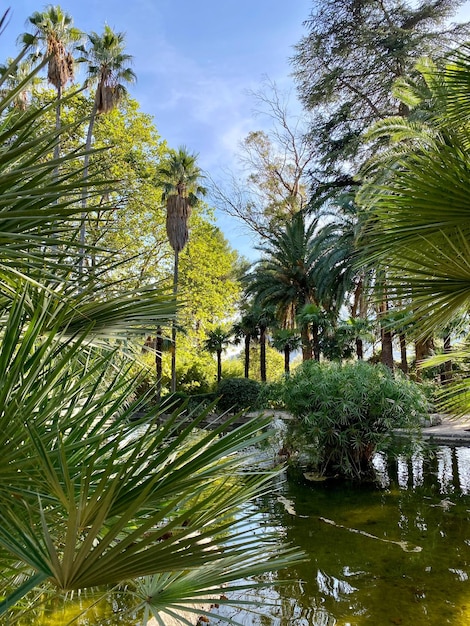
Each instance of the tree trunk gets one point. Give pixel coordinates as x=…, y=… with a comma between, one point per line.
x=315, y=342
x=173, y=327
x=55, y=174
x=219, y=365
x=286, y=360
x=306, y=344
x=358, y=298
x=359, y=348
x=403, y=357
x=262, y=353
x=158, y=362
x=386, y=339
x=247, y=355
x=446, y=375
x=423, y=348
x=57, y=127
x=85, y=188
x=387, y=349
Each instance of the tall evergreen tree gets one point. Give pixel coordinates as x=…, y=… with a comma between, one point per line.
x=285, y=277
x=346, y=64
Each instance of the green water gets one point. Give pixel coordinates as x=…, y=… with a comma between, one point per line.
x=394, y=554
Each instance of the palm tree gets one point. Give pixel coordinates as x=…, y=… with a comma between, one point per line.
x=16, y=77
x=313, y=317
x=265, y=319
x=285, y=278
x=286, y=340
x=216, y=342
x=247, y=329
x=55, y=31
x=179, y=177
x=108, y=69
x=87, y=499
x=418, y=206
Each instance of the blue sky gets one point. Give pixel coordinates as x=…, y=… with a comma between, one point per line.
x=195, y=62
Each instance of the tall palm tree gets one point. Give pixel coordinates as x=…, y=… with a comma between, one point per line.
x=54, y=30
x=286, y=340
x=216, y=342
x=108, y=69
x=179, y=176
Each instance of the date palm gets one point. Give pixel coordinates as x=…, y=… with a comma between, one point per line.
x=180, y=179
x=285, y=278
x=109, y=69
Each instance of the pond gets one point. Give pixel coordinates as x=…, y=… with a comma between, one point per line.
x=394, y=554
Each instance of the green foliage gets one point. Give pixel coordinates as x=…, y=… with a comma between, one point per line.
x=346, y=65
x=345, y=413
x=89, y=498
x=233, y=368
x=272, y=396
x=237, y=394
x=274, y=363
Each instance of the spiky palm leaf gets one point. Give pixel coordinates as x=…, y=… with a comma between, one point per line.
x=89, y=498
x=418, y=209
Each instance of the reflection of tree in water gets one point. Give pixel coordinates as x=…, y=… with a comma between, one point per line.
x=352, y=576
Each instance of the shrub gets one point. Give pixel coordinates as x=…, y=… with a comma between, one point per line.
x=237, y=394
x=271, y=396
x=345, y=413
x=191, y=402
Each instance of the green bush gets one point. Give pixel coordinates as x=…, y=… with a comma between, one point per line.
x=271, y=396
x=191, y=402
x=237, y=394
x=345, y=413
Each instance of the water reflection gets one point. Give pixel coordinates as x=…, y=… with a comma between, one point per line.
x=396, y=554
x=366, y=576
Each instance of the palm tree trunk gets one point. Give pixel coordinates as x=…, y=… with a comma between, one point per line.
x=386, y=339
x=423, y=348
x=85, y=188
x=359, y=349
x=403, y=357
x=315, y=342
x=247, y=355
x=57, y=127
x=55, y=174
x=219, y=365
x=306, y=344
x=158, y=362
x=446, y=375
x=173, y=326
x=286, y=360
x=262, y=353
